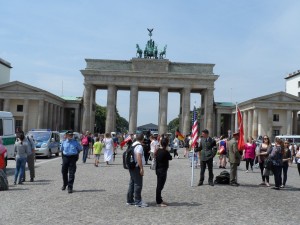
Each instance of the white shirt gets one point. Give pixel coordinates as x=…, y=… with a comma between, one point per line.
x=139, y=150
x=153, y=146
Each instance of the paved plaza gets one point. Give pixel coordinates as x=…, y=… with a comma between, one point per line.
x=100, y=195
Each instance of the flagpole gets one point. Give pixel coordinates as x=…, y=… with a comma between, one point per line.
x=236, y=122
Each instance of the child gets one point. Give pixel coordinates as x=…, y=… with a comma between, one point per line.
x=97, y=147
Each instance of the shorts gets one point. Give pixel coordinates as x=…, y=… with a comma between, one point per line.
x=97, y=156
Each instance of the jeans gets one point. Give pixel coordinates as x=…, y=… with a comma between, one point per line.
x=277, y=175
x=285, y=167
x=20, y=168
x=135, y=186
x=209, y=164
x=85, y=152
x=69, y=168
x=298, y=166
x=161, y=180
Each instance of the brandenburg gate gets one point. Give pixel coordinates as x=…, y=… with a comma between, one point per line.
x=151, y=74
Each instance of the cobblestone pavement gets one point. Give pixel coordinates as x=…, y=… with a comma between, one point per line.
x=100, y=195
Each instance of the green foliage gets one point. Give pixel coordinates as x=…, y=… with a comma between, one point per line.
x=173, y=125
x=100, y=119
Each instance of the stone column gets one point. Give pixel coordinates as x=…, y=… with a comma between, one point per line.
x=163, y=110
x=76, y=119
x=133, y=110
x=209, y=110
x=180, y=115
x=203, y=117
x=40, y=114
x=25, y=115
x=295, y=122
x=86, y=108
x=110, y=110
x=92, y=108
x=250, y=122
x=270, y=123
x=186, y=107
x=255, y=124
x=46, y=115
x=6, y=106
x=50, y=123
x=218, y=124
x=54, y=117
x=289, y=122
x=62, y=116
x=246, y=123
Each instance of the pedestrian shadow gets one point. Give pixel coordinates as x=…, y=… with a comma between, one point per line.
x=39, y=182
x=290, y=189
x=12, y=188
x=170, y=204
x=91, y=190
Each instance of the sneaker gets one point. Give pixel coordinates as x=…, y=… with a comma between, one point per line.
x=267, y=184
x=282, y=186
x=141, y=204
x=247, y=171
x=162, y=205
x=130, y=203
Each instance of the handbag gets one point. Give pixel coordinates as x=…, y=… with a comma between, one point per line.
x=268, y=164
x=153, y=164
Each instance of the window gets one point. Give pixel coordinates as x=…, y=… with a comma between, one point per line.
x=276, y=133
x=276, y=117
x=19, y=124
x=298, y=94
x=19, y=108
x=298, y=84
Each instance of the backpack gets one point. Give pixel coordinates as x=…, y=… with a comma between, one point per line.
x=128, y=157
x=223, y=178
x=85, y=140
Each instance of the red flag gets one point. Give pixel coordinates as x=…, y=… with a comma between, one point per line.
x=194, y=128
x=128, y=138
x=241, y=142
x=180, y=136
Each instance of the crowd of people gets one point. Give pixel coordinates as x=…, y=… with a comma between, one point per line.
x=272, y=160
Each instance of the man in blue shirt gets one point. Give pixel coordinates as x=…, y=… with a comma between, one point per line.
x=70, y=149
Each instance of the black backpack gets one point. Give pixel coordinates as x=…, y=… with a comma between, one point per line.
x=223, y=178
x=128, y=157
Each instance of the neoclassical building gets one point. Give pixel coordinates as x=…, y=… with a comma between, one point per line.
x=34, y=108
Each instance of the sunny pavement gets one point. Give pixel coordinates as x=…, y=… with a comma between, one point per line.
x=100, y=195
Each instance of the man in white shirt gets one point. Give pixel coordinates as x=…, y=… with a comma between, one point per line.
x=136, y=175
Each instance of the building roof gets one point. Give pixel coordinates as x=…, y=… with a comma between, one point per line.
x=71, y=98
x=294, y=74
x=5, y=63
x=225, y=104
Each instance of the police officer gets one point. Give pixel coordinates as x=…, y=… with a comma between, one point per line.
x=70, y=149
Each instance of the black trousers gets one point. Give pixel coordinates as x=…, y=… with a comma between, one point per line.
x=161, y=180
x=68, y=170
x=264, y=178
x=285, y=167
x=277, y=175
x=248, y=160
x=209, y=164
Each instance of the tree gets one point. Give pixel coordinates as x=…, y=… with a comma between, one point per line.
x=173, y=125
x=100, y=120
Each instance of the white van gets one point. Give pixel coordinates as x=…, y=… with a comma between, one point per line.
x=292, y=139
x=7, y=132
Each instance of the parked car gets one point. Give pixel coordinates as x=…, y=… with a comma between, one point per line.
x=47, y=142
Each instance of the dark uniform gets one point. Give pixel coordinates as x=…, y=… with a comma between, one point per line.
x=70, y=149
x=208, y=149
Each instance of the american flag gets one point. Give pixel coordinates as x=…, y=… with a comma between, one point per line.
x=194, y=128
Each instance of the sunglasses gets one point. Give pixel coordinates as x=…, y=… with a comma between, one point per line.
x=266, y=138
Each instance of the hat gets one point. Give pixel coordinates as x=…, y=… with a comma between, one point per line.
x=205, y=131
x=236, y=133
x=69, y=132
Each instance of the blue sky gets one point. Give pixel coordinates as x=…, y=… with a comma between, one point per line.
x=254, y=43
